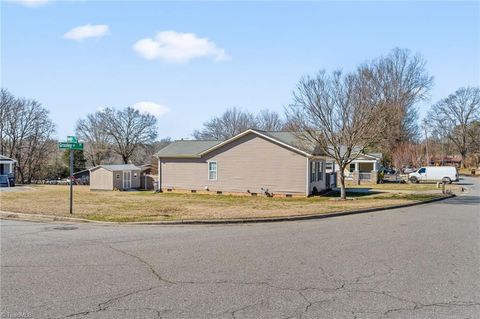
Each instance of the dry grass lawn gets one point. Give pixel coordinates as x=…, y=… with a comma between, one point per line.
x=405, y=186
x=148, y=206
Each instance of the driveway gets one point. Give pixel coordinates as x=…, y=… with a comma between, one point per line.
x=417, y=262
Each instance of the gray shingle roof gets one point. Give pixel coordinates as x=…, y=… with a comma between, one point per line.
x=118, y=167
x=186, y=148
x=291, y=139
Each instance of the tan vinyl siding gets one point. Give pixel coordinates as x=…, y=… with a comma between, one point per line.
x=249, y=163
x=101, y=179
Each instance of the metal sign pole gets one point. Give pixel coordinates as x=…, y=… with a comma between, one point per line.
x=71, y=144
x=71, y=181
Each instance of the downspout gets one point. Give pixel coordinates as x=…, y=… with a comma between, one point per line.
x=307, y=179
x=159, y=183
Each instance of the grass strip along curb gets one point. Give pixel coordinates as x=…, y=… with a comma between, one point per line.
x=40, y=218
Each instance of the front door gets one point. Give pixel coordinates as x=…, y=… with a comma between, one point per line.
x=127, y=179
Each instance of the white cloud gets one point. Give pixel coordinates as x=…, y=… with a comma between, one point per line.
x=31, y=3
x=178, y=47
x=87, y=31
x=152, y=108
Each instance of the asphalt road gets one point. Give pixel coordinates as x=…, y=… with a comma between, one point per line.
x=417, y=262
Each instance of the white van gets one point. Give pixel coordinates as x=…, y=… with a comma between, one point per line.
x=447, y=174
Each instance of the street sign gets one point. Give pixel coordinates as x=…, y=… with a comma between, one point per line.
x=71, y=146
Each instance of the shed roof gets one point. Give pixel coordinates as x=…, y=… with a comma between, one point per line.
x=117, y=167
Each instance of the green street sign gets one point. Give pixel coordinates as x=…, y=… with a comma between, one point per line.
x=72, y=139
x=70, y=146
x=77, y=146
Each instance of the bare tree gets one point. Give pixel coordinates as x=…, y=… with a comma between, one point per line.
x=145, y=153
x=401, y=81
x=128, y=129
x=232, y=122
x=91, y=131
x=406, y=154
x=8, y=103
x=338, y=114
x=269, y=121
x=474, y=136
x=25, y=134
x=453, y=116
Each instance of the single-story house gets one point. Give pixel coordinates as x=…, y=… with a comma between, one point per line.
x=447, y=160
x=112, y=177
x=363, y=169
x=253, y=162
x=7, y=168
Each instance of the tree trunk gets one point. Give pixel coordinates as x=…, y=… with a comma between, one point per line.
x=462, y=159
x=343, y=193
x=125, y=159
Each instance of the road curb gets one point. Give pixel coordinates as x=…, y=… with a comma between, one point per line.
x=50, y=218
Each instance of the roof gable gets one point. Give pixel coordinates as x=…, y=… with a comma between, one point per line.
x=117, y=167
x=285, y=139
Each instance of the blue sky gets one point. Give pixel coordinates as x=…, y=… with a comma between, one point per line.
x=216, y=54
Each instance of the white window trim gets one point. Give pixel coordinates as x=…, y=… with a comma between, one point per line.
x=320, y=171
x=216, y=170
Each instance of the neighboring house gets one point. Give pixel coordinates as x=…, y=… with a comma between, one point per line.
x=252, y=162
x=446, y=161
x=148, y=176
x=82, y=177
x=363, y=169
x=111, y=177
x=7, y=169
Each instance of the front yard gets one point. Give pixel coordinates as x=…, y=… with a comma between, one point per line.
x=148, y=206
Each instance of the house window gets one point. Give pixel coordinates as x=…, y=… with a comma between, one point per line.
x=118, y=176
x=313, y=171
x=329, y=166
x=352, y=167
x=212, y=171
x=319, y=171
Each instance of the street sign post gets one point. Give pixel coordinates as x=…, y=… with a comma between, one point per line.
x=71, y=144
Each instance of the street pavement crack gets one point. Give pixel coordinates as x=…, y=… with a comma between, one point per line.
x=106, y=304
x=150, y=267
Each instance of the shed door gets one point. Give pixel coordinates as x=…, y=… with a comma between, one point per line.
x=127, y=179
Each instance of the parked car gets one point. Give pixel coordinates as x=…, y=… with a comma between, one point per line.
x=446, y=174
x=408, y=170
x=388, y=171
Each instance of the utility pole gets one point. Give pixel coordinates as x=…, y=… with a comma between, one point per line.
x=425, y=126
